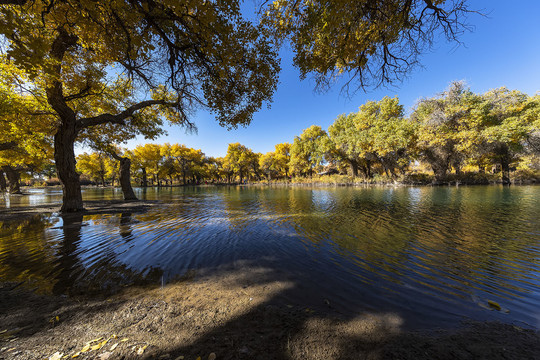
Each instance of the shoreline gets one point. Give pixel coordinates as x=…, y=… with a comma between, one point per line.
x=233, y=317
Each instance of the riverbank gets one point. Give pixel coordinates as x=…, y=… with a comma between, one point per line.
x=233, y=315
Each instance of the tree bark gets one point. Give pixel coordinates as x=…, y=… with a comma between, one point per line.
x=354, y=168
x=3, y=184
x=64, y=157
x=14, y=179
x=125, y=179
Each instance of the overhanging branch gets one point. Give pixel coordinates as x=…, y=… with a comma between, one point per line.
x=119, y=118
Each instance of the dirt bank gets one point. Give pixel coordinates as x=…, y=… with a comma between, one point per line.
x=228, y=316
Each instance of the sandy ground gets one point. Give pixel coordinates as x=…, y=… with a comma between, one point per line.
x=228, y=316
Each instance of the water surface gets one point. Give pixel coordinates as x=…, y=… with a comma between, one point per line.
x=434, y=256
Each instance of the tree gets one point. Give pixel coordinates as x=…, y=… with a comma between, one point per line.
x=237, y=160
x=507, y=126
x=25, y=125
x=440, y=123
x=374, y=42
x=343, y=134
x=308, y=150
x=97, y=166
x=148, y=159
x=267, y=164
x=282, y=158
x=378, y=132
x=182, y=56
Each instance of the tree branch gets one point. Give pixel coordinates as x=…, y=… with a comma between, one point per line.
x=8, y=145
x=119, y=118
x=13, y=2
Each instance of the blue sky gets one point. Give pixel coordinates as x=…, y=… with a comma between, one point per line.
x=502, y=50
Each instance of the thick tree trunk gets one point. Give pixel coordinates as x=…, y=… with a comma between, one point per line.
x=65, y=136
x=3, y=183
x=64, y=156
x=14, y=179
x=125, y=179
x=354, y=168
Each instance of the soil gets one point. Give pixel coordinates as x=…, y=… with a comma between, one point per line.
x=228, y=316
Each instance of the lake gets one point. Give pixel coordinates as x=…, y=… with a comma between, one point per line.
x=432, y=255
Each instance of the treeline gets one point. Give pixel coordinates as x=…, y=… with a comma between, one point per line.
x=445, y=137
x=451, y=136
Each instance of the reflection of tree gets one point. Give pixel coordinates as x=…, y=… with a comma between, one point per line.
x=480, y=237
x=125, y=226
x=67, y=262
x=25, y=255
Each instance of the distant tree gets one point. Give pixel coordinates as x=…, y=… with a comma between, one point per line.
x=440, y=123
x=97, y=166
x=282, y=158
x=148, y=160
x=508, y=124
x=308, y=150
x=267, y=164
x=237, y=160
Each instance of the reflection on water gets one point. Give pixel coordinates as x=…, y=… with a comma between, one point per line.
x=433, y=255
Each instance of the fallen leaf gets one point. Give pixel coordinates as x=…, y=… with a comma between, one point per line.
x=199, y=358
x=181, y=357
x=57, y=318
x=100, y=345
x=212, y=356
x=124, y=339
x=86, y=348
x=141, y=350
x=76, y=354
x=494, y=305
x=114, y=346
x=56, y=356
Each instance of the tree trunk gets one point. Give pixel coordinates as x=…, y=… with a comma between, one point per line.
x=3, y=184
x=368, y=169
x=354, y=168
x=14, y=179
x=64, y=156
x=505, y=167
x=125, y=179
x=144, y=178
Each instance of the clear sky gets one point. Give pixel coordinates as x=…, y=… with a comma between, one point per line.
x=502, y=50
